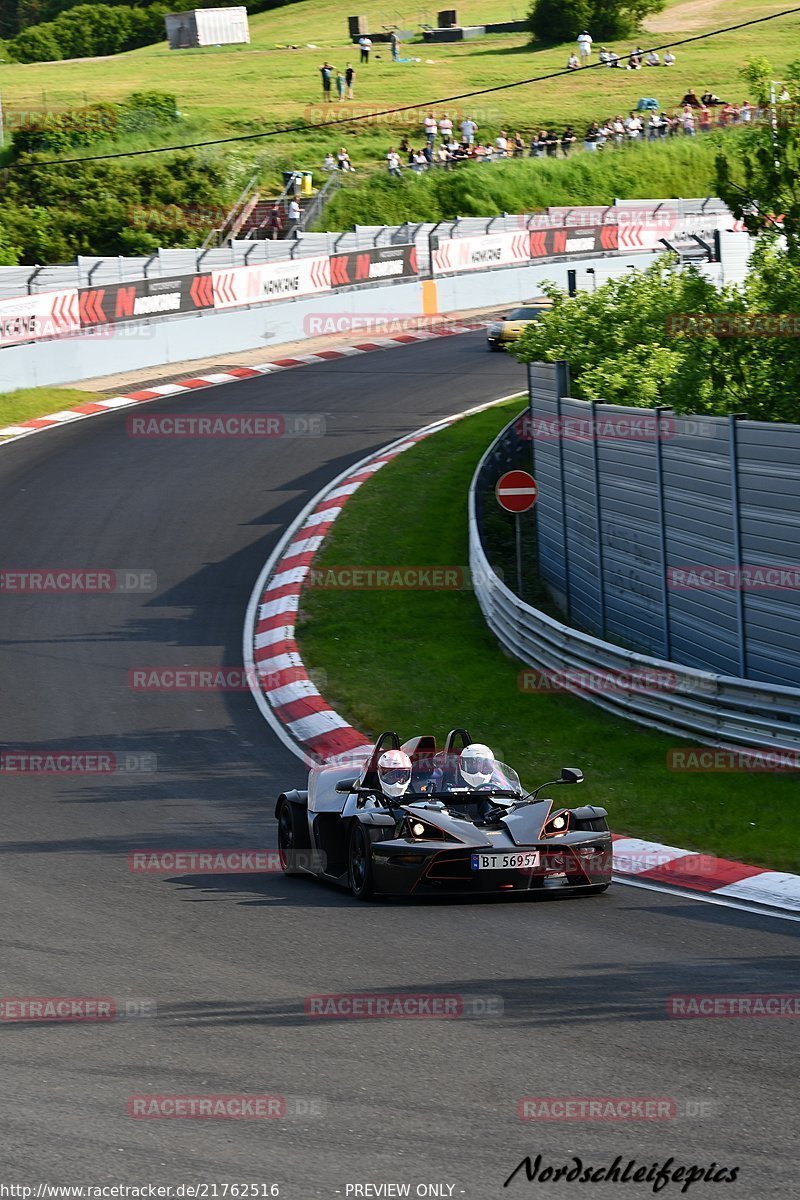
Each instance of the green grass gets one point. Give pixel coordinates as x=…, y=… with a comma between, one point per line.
x=229, y=90
x=679, y=167
x=39, y=402
x=425, y=661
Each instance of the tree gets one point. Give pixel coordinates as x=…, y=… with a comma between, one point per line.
x=769, y=159
x=563, y=20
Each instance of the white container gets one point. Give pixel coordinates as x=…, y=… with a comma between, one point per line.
x=207, y=27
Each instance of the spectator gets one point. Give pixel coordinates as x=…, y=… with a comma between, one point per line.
x=349, y=75
x=705, y=119
x=519, y=145
x=618, y=130
x=676, y=124
x=393, y=162
x=783, y=95
x=443, y=156
x=669, y=59
x=326, y=71
x=427, y=151
x=294, y=216
x=707, y=98
x=551, y=144
x=429, y=125
x=468, y=130
x=340, y=85
x=633, y=127
x=330, y=162
x=445, y=128
x=634, y=62
x=585, y=47
x=606, y=133
x=480, y=152
x=664, y=125
x=420, y=161
x=275, y=222
x=405, y=147
x=653, y=126
x=365, y=44
x=746, y=113
x=501, y=144
x=652, y=60
x=590, y=138
x=691, y=98
x=395, y=41
x=613, y=59
x=343, y=160
x=573, y=62
x=687, y=119
x=567, y=141
x=605, y=56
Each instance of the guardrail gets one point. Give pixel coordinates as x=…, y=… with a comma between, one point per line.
x=717, y=710
x=662, y=217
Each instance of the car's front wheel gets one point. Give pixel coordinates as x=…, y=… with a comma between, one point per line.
x=287, y=838
x=359, y=864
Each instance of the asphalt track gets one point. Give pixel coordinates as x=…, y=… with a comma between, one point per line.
x=229, y=959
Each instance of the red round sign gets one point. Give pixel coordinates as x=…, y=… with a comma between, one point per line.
x=516, y=491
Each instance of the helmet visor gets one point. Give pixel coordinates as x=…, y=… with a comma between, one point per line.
x=478, y=766
x=394, y=775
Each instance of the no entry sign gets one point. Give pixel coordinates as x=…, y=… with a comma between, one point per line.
x=516, y=491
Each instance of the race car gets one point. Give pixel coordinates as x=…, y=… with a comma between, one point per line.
x=417, y=821
x=509, y=328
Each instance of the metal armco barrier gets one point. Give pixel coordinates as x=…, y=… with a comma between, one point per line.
x=374, y=265
x=144, y=298
x=715, y=709
x=586, y=239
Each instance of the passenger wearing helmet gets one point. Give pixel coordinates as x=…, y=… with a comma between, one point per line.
x=476, y=765
x=394, y=773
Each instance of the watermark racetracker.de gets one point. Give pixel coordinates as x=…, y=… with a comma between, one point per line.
x=73, y=581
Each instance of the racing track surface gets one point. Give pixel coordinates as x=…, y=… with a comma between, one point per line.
x=229, y=959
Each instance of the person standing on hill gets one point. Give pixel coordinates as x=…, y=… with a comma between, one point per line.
x=585, y=47
x=349, y=76
x=366, y=45
x=340, y=85
x=326, y=71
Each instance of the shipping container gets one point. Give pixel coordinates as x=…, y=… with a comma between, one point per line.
x=207, y=27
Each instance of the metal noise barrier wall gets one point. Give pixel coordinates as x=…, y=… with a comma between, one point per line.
x=711, y=708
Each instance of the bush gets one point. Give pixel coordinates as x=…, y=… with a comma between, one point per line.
x=563, y=20
x=60, y=132
x=89, y=30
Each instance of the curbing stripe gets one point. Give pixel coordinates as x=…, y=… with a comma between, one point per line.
x=312, y=736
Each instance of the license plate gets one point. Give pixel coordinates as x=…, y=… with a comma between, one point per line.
x=520, y=860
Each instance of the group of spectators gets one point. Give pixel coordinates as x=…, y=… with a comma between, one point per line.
x=628, y=62
x=344, y=80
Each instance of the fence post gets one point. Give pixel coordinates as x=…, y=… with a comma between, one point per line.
x=733, y=459
x=563, y=389
x=662, y=533
x=601, y=583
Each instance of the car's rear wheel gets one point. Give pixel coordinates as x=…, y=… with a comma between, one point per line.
x=287, y=838
x=359, y=864
x=494, y=346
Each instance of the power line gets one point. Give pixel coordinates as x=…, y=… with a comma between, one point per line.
x=500, y=87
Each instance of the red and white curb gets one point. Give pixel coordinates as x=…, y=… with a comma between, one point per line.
x=94, y=408
x=305, y=722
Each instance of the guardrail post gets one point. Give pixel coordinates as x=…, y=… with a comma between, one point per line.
x=563, y=389
x=601, y=584
x=733, y=458
x=662, y=533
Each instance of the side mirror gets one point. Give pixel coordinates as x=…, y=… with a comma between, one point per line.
x=571, y=775
x=346, y=785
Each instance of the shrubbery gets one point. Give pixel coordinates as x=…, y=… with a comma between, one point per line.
x=563, y=20
x=60, y=132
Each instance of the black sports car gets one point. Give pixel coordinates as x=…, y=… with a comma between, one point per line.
x=443, y=836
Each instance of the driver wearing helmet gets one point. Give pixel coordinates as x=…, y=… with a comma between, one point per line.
x=394, y=773
x=476, y=766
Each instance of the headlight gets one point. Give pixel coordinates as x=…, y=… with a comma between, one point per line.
x=556, y=826
x=418, y=829
x=421, y=831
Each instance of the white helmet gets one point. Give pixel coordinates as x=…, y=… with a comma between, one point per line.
x=476, y=764
x=394, y=773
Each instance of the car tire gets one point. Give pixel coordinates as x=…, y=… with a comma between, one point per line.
x=288, y=838
x=494, y=346
x=359, y=863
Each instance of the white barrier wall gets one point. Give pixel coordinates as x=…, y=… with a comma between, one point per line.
x=157, y=343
